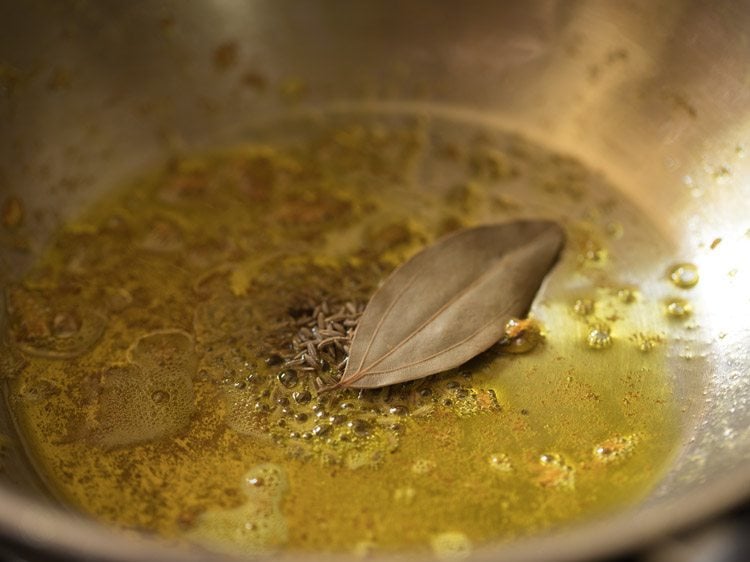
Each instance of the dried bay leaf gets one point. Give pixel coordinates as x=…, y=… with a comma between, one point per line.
x=451, y=302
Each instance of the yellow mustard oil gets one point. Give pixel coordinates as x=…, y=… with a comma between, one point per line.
x=160, y=391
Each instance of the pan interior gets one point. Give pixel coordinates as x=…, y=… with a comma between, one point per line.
x=651, y=93
x=153, y=332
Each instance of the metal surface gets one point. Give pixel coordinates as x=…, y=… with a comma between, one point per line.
x=654, y=94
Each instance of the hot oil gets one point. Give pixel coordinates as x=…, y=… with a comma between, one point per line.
x=155, y=396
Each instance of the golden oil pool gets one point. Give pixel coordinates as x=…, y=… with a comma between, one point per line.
x=151, y=397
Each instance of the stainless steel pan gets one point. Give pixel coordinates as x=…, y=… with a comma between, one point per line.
x=654, y=93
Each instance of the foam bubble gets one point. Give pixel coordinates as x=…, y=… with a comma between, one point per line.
x=451, y=546
x=364, y=549
x=257, y=526
x=161, y=364
x=423, y=466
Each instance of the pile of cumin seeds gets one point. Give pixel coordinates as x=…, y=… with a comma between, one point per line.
x=320, y=344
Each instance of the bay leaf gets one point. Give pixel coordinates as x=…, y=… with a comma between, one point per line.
x=450, y=302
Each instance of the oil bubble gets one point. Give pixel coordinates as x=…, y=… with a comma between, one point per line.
x=39, y=329
x=360, y=428
x=321, y=430
x=549, y=458
x=521, y=336
x=337, y=419
x=615, y=448
x=678, y=308
x=500, y=462
x=269, y=476
x=647, y=342
x=288, y=378
x=65, y=324
x=555, y=472
x=583, y=307
x=302, y=397
x=593, y=254
x=684, y=275
x=599, y=337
